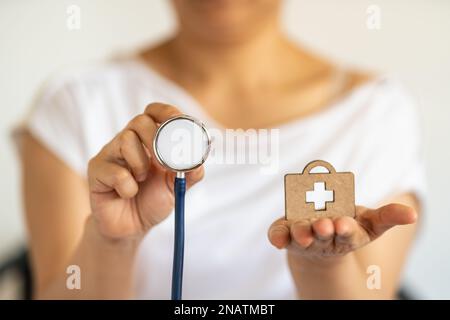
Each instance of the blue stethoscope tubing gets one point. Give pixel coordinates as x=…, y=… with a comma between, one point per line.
x=179, y=194
x=178, y=252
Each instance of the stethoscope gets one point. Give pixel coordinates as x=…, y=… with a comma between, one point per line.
x=181, y=144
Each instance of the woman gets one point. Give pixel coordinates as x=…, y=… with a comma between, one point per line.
x=230, y=66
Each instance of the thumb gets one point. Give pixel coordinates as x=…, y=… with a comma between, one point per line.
x=378, y=221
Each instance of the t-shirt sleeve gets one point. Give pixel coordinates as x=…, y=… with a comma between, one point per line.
x=394, y=163
x=55, y=121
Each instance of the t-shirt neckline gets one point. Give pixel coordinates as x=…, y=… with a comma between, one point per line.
x=182, y=94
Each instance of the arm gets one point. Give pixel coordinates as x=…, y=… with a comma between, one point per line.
x=63, y=233
x=56, y=211
x=96, y=224
x=329, y=258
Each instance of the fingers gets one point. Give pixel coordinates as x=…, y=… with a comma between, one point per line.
x=327, y=237
x=107, y=176
x=279, y=233
x=349, y=234
x=146, y=124
x=145, y=128
x=126, y=159
x=302, y=234
x=132, y=151
x=160, y=112
x=322, y=236
x=378, y=221
x=346, y=228
x=323, y=231
x=315, y=237
x=119, y=166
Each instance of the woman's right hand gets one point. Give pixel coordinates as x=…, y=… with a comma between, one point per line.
x=130, y=192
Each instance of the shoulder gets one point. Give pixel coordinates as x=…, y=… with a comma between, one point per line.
x=382, y=110
x=382, y=97
x=394, y=102
x=69, y=95
x=95, y=77
x=116, y=88
x=388, y=117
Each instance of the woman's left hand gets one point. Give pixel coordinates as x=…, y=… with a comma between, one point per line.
x=323, y=238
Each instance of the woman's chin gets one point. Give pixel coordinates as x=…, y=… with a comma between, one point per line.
x=226, y=20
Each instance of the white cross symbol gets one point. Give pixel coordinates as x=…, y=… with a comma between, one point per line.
x=319, y=196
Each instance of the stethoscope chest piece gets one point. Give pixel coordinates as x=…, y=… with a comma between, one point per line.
x=182, y=144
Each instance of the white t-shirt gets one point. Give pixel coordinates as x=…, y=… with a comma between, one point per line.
x=372, y=132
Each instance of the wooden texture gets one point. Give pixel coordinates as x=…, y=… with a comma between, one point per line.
x=342, y=184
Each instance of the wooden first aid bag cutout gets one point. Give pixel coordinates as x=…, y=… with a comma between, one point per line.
x=313, y=195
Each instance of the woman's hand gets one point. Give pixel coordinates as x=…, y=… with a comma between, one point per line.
x=327, y=259
x=324, y=238
x=129, y=190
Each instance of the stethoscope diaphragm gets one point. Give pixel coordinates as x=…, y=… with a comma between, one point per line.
x=182, y=143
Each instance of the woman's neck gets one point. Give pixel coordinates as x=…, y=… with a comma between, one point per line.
x=239, y=83
x=265, y=59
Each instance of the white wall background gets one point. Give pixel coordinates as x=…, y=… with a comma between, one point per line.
x=413, y=42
